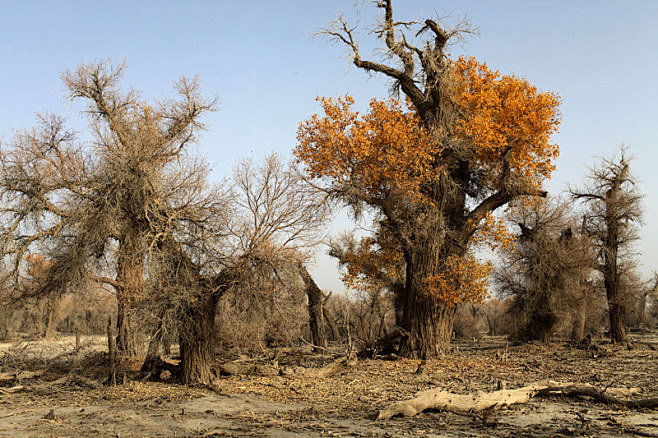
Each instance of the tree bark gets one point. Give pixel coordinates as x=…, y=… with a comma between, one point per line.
x=126, y=341
x=427, y=320
x=616, y=298
x=112, y=355
x=315, y=311
x=130, y=276
x=153, y=351
x=428, y=323
x=197, y=335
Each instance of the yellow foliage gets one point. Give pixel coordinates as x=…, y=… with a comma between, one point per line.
x=462, y=279
x=387, y=150
x=372, y=268
x=509, y=122
x=492, y=231
x=390, y=158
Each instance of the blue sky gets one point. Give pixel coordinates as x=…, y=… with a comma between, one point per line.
x=261, y=60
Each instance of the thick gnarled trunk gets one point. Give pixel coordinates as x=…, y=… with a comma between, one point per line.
x=617, y=312
x=427, y=320
x=197, y=342
x=130, y=276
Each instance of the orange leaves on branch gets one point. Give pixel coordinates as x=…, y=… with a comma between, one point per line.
x=387, y=150
x=497, y=148
x=508, y=122
x=493, y=232
x=371, y=268
x=462, y=279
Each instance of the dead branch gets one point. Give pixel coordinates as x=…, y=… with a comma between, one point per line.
x=335, y=367
x=470, y=403
x=6, y=391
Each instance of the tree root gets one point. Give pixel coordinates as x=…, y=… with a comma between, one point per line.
x=471, y=403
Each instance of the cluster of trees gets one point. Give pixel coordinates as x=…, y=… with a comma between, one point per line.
x=129, y=208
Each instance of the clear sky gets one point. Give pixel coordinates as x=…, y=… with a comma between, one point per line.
x=261, y=60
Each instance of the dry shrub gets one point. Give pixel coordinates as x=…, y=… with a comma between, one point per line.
x=363, y=319
x=546, y=274
x=250, y=322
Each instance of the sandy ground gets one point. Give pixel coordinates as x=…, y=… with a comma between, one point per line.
x=342, y=405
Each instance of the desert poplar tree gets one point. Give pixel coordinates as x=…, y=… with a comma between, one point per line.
x=463, y=142
x=97, y=203
x=614, y=211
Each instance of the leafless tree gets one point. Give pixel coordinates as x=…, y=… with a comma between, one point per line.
x=97, y=206
x=546, y=272
x=131, y=208
x=278, y=221
x=614, y=209
x=272, y=220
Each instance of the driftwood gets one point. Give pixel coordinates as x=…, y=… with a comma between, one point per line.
x=471, y=403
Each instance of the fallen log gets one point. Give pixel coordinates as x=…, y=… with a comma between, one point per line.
x=246, y=369
x=13, y=389
x=471, y=403
x=20, y=375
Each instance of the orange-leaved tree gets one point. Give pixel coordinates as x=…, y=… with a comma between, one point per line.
x=466, y=141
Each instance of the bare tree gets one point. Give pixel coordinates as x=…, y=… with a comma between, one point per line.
x=614, y=210
x=97, y=206
x=276, y=210
x=268, y=222
x=546, y=272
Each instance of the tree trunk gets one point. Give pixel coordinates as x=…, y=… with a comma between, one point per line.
x=427, y=320
x=315, y=311
x=428, y=323
x=126, y=338
x=49, y=317
x=335, y=333
x=578, y=332
x=197, y=335
x=112, y=354
x=130, y=276
x=153, y=351
x=617, y=310
x=616, y=298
